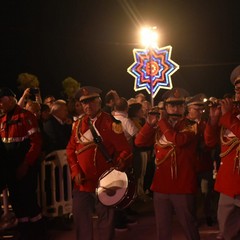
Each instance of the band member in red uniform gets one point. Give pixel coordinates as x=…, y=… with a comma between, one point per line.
x=21, y=140
x=175, y=182
x=88, y=160
x=204, y=164
x=224, y=126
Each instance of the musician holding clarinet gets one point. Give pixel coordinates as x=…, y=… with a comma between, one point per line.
x=224, y=127
x=97, y=144
x=174, y=183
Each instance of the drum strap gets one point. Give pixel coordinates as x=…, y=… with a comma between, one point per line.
x=98, y=141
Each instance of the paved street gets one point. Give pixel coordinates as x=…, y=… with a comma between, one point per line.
x=62, y=228
x=145, y=227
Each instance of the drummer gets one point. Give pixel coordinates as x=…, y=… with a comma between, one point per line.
x=94, y=142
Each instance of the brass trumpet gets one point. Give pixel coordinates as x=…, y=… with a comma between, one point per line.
x=215, y=102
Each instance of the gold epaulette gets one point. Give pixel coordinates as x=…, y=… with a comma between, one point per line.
x=117, y=126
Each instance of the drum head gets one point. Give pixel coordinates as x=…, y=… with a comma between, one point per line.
x=112, y=187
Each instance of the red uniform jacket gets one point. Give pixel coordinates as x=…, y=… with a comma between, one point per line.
x=85, y=157
x=175, y=159
x=21, y=137
x=228, y=131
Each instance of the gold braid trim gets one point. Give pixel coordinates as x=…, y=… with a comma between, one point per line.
x=86, y=147
x=233, y=142
x=79, y=134
x=237, y=161
x=171, y=153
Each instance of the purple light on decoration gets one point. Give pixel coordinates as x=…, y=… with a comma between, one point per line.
x=152, y=65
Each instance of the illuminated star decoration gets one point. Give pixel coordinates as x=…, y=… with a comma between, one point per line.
x=153, y=65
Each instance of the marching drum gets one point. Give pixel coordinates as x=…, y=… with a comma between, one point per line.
x=116, y=189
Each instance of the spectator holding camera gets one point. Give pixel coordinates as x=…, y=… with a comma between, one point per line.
x=28, y=93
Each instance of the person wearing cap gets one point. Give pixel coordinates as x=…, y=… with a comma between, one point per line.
x=88, y=160
x=224, y=126
x=175, y=181
x=204, y=163
x=22, y=142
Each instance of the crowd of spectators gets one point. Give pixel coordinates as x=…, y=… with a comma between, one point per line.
x=173, y=148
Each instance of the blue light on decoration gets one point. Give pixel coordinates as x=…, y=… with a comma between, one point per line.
x=152, y=70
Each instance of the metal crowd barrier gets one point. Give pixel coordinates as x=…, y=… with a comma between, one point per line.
x=55, y=185
x=54, y=190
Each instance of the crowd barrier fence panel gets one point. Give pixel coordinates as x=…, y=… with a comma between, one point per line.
x=55, y=185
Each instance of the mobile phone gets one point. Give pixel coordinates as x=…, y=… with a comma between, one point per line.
x=34, y=91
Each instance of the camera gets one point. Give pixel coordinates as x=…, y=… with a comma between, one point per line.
x=34, y=91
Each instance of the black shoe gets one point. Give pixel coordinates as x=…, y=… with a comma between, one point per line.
x=209, y=221
x=121, y=228
x=131, y=222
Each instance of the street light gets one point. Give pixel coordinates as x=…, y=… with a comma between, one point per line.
x=149, y=38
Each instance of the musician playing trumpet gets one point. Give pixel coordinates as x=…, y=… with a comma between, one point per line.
x=204, y=162
x=175, y=182
x=224, y=127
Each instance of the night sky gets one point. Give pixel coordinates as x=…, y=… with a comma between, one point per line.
x=92, y=42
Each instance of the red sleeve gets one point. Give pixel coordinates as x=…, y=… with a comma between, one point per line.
x=231, y=122
x=33, y=131
x=146, y=136
x=71, y=155
x=211, y=135
x=120, y=144
x=179, y=138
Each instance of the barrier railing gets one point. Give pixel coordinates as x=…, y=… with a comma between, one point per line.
x=54, y=188
x=55, y=185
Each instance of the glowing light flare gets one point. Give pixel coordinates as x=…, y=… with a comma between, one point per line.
x=152, y=71
x=149, y=37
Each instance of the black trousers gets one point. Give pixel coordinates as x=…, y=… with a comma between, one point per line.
x=22, y=193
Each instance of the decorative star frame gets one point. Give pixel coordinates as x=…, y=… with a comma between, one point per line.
x=152, y=69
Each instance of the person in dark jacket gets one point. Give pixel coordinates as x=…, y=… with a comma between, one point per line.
x=57, y=129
